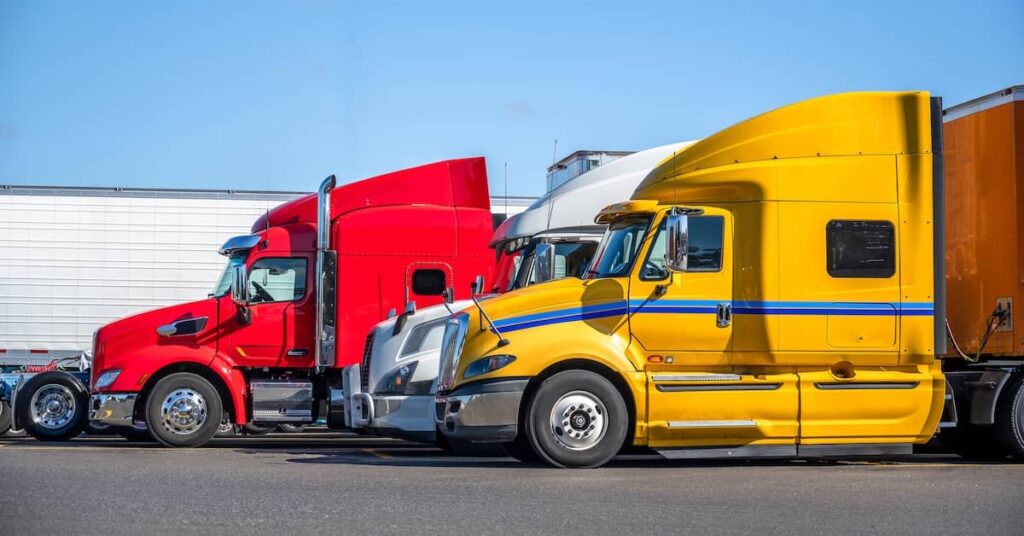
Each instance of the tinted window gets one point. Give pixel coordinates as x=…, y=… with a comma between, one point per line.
x=277, y=280
x=704, y=251
x=428, y=282
x=860, y=248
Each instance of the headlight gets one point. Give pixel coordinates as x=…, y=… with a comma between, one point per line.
x=107, y=378
x=400, y=382
x=487, y=364
x=451, y=349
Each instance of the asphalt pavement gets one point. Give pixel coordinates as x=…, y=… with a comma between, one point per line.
x=342, y=484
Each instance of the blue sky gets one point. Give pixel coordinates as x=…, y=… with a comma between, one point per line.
x=277, y=95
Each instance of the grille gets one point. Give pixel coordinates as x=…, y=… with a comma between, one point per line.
x=364, y=370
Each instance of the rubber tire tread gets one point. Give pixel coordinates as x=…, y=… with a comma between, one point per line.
x=214, y=406
x=69, y=430
x=1009, y=425
x=537, y=415
x=6, y=419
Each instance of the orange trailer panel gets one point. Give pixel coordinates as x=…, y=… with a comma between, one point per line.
x=984, y=141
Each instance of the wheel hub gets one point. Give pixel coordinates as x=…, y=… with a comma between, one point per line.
x=184, y=411
x=578, y=420
x=52, y=406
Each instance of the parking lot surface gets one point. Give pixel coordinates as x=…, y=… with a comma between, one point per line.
x=342, y=484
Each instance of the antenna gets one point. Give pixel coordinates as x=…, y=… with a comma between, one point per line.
x=506, y=189
x=554, y=153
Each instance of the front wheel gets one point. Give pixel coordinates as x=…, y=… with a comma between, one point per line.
x=52, y=406
x=576, y=418
x=183, y=410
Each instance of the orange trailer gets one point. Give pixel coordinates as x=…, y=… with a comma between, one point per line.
x=984, y=154
x=983, y=150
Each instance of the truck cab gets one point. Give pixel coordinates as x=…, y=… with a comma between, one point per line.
x=293, y=305
x=552, y=239
x=769, y=291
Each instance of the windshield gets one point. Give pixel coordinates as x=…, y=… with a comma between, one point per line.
x=224, y=283
x=619, y=247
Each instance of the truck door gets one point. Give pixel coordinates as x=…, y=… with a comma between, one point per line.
x=695, y=398
x=282, y=315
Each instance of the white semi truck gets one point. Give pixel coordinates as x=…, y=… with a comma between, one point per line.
x=392, y=392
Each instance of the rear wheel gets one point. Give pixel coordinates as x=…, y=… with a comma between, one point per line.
x=52, y=406
x=5, y=417
x=1009, y=427
x=181, y=410
x=576, y=418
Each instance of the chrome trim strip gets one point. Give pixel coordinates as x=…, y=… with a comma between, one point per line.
x=676, y=388
x=835, y=386
x=745, y=451
x=712, y=424
x=695, y=378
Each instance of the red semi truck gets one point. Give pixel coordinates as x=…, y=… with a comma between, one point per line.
x=294, y=305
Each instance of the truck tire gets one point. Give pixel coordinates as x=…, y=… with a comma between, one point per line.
x=52, y=406
x=1009, y=426
x=5, y=417
x=179, y=410
x=291, y=428
x=576, y=418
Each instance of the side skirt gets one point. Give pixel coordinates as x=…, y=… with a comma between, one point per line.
x=789, y=451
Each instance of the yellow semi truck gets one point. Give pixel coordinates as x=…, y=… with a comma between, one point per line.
x=773, y=290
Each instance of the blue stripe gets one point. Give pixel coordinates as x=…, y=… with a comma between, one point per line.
x=617, y=308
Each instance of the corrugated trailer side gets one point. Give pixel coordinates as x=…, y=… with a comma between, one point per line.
x=984, y=141
x=73, y=259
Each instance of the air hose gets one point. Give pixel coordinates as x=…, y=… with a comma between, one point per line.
x=995, y=320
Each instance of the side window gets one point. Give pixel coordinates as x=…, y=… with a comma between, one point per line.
x=428, y=282
x=704, y=251
x=277, y=280
x=860, y=248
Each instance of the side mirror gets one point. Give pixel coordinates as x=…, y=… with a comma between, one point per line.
x=477, y=286
x=544, y=262
x=449, y=295
x=239, y=286
x=677, y=226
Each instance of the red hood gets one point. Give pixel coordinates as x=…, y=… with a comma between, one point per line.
x=128, y=343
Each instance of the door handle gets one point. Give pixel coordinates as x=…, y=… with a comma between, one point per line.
x=724, y=319
x=297, y=352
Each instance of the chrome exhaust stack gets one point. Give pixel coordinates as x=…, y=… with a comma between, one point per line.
x=326, y=274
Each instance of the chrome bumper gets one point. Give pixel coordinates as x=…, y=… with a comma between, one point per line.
x=115, y=409
x=481, y=413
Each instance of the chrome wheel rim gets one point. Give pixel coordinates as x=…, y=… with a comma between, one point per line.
x=579, y=420
x=53, y=406
x=183, y=411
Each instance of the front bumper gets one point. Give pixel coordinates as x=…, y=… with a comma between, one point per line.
x=115, y=409
x=484, y=412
